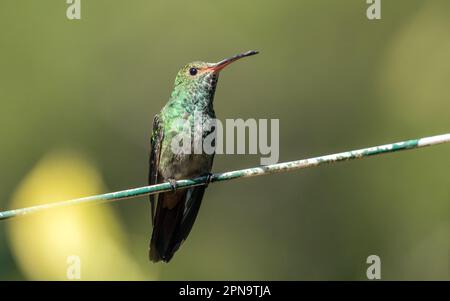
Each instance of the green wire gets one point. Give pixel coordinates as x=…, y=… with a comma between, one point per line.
x=243, y=173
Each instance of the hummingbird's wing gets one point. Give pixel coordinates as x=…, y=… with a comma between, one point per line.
x=156, y=141
x=176, y=211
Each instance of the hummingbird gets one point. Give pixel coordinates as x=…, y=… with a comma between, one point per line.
x=173, y=213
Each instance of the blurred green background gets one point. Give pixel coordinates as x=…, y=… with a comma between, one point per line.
x=78, y=97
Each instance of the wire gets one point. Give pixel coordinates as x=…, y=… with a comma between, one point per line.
x=230, y=175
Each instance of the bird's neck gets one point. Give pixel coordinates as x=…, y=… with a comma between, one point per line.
x=191, y=101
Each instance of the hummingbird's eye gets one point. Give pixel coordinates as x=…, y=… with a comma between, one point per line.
x=193, y=71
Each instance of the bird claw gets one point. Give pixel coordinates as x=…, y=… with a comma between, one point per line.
x=209, y=178
x=173, y=184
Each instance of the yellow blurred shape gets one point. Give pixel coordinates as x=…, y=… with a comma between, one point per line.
x=44, y=243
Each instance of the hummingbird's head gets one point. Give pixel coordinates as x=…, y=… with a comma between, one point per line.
x=199, y=79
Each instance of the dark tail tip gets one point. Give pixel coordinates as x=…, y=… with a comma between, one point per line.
x=155, y=256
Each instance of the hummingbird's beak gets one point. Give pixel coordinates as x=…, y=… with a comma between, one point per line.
x=223, y=63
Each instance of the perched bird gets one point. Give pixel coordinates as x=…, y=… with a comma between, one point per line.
x=175, y=213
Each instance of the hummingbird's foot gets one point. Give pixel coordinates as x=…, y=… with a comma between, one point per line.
x=209, y=178
x=173, y=184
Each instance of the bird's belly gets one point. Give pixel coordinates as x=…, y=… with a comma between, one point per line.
x=182, y=166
